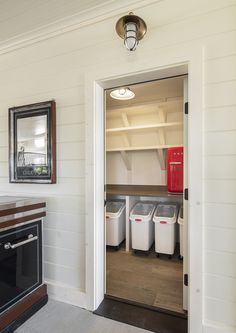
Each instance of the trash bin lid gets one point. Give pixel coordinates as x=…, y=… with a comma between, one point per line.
x=114, y=206
x=143, y=208
x=165, y=211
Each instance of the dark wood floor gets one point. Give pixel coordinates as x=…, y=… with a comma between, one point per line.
x=145, y=279
x=148, y=319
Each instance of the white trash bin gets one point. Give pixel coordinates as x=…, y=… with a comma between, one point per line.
x=115, y=222
x=165, y=217
x=180, y=222
x=142, y=227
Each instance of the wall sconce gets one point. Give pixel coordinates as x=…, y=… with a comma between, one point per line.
x=131, y=28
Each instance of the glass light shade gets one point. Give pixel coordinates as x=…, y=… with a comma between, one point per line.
x=130, y=38
x=122, y=94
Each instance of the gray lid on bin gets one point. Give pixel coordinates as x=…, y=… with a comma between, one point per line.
x=143, y=208
x=165, y=211
x=114, y=206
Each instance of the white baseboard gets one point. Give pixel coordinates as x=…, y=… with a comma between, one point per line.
x=214, y=327
x=66, y=294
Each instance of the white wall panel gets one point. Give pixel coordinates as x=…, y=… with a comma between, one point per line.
x=222, y=310
x=70, y=115
x=74, y=222
x=227, y=42
x=220, y=263
x=71, y=169
x=220, y=191
x=220, y=143
x=220, y=167
x=220, y=215
x=219, y=239
x=221, y=69
x=221, y=118
x=221, y=94
x=221, y=287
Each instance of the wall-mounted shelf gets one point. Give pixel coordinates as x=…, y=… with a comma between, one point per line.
x=166, y=105
x=109, y=150
x=141, y=191
x=144, y=127
x=129, y=126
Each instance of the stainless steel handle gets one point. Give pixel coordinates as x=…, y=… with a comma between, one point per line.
x=174, y=163
x=9, y=246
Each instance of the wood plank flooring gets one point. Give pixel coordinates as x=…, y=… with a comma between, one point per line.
x=145, y=279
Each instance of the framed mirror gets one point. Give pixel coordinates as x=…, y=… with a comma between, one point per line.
x=32, y=143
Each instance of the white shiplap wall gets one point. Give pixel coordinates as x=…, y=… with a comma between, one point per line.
x=56, y=68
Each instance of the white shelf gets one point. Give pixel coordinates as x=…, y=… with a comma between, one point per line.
x=157, y=147
x=143, y=127
x=167, y=105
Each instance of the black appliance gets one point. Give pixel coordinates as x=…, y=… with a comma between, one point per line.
x=20, y=262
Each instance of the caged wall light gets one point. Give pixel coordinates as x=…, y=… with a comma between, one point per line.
x=131, y=28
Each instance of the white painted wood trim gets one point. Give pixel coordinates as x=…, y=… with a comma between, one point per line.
x=66, y=294
x=174, y=62
x=93, y=15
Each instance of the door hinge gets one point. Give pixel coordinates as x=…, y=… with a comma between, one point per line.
x=186, y=194
x=105, y=203
x=186, y=108
x=186, y=280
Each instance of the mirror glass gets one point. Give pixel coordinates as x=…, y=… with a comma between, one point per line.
x=32, y=144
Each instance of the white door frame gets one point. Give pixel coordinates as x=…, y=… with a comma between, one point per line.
x=96, y=81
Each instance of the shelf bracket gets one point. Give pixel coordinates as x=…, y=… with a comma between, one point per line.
x=126, y=159
x=162, y=158
x=126, y=139
x=125, y=119
x=162, y=115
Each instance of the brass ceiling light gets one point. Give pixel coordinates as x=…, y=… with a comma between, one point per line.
x=131, y=28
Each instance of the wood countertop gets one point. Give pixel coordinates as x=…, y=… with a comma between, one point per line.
x=140, y=190
x=17, y=210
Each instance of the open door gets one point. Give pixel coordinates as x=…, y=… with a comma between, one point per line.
x=185, y=201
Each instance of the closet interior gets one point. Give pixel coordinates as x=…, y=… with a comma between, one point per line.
x=146, y=169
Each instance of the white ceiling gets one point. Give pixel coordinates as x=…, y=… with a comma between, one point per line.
x=150, y=91
x=18, y=17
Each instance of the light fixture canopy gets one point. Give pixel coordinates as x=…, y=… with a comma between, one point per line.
x=131, y=28
x=122, y=94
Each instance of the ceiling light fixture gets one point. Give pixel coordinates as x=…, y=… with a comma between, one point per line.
x=122, y=94
x=131, y=28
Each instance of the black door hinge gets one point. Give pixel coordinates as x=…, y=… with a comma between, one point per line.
x=105, y=203
x=186, y=108
x=186, y=280
x=186, y=194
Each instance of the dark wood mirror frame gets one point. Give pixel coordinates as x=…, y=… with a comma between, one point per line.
x=21, y=171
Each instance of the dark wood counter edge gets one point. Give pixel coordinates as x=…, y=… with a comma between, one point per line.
x=21, y=209
x=23, y=219
x=23, y=309
x=140, y=190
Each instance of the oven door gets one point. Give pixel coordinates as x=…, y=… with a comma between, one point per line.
x=20, y=262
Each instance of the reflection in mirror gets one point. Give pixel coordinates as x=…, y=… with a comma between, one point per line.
x=32, y=142
x=32, y=146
